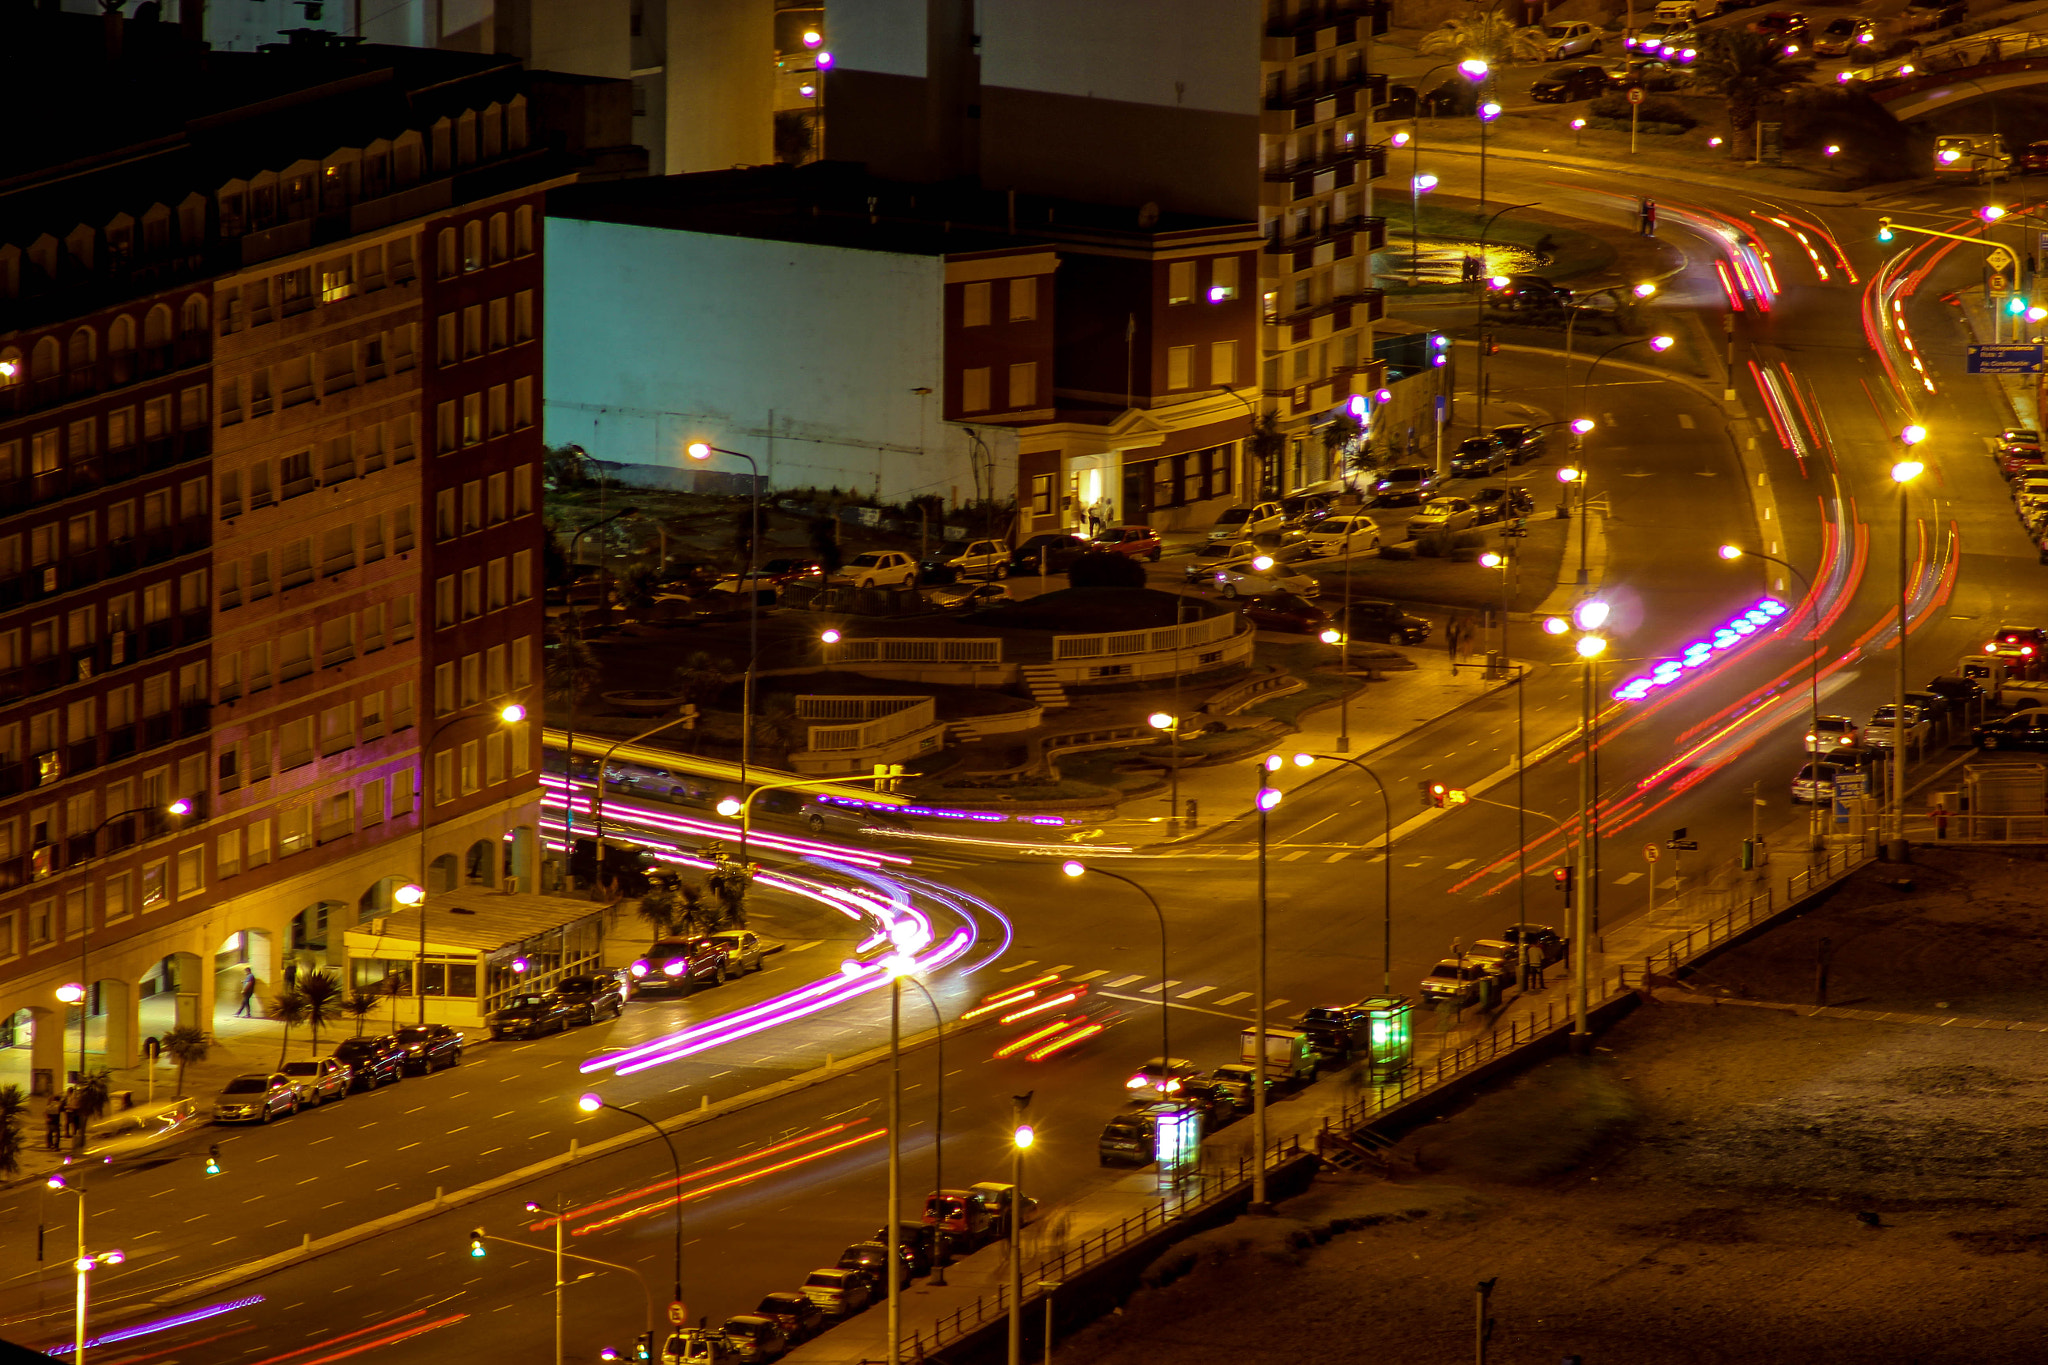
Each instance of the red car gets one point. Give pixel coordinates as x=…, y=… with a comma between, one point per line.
x=1285, y=611
x=1133, y=542
x=2014, y=459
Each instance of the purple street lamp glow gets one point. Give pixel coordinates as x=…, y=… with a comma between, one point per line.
x=1700, y=653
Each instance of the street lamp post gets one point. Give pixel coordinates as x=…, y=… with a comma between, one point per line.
x=1588, y=616
x=700, y=450
x=415, y=893
x=1021, y=1137
x=576, y=619
x=1479, y=300
x=1816, y=821
x=83, y=1263
x=1386, y=864
x=938, y=1126
x=1656, y=343
x=1488, y=111
x=1267, y=798
x=1903, y=474
x=1075, y=869
x=1507, y=567
x=597, y=794
x=742, y=808
x=590, y=1104
x=79, y=992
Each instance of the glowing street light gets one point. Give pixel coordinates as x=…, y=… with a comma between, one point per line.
x=1590, y=614
x=1591, y=646
x=1475, y=67
x=1644, y=290
x=1731, y=552
x=1662, y=343
x=1912, y=436
x=1582, y=425
x=1555, y=625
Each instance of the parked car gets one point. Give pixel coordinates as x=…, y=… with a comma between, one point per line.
x=2030, y=494
x=919, y=1242
x=1648, y=73
x=1959, y=692
x=531, y=1015
x=1571, y=39
x=373, y=1060
x=783, y=572
x=1478, y=456
x=1460, y=981
x=1132, y=542
x=1161, y=1076
x=1442, y=515
x=1285, y=611
x=1261, y=574
x=1404, y=483
x=2017, y=642
x=429, y=1047
x=1789, y=25
x=870, y=1257
x=1336, y=1031
x=1243, y=523
x=1886, y=726
x=1524, y=293
x=793, y=1312
x=879, y=569
x=1131, y=1138
x=1499, y=502
x=2020, y=730
x=1052, y=552
x=972, y=595
x=1921, y=15
x=1829, y=732
x=1236, y=1079
x=1843, y=36
x=2020, y=436
x=1304, y=510
x=975, y=559
x=1815, y=780
x=696, y=1346
x=320, y=1079
x=756, y=1338
x=1546, y=945
x=1522, y=442
x=589, y=996
x=1344, y=533
x=1383, y=621
x=839, y=1293
x=1932, y=705
x=256, y=1097
x=673, y=965
x=1569, y=83
x=744, y=951
x=1653, y=35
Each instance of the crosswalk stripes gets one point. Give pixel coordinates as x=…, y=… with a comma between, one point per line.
x=1272, y=1005
x=1019, y=966
x=1158, y=986
x=1247, y=856
x=806, y=947
x=1232, y=999
x=1062, y=967
x=1121, y=982
x=1090, y=976
x=1290, y=857
x=1339, y=856
x=1199, y=990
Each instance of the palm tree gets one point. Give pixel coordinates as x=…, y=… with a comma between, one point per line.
x=290, y=1009
x=1484, y=33
x=186, y=1046
x=1340, y=434
x=13, y=1112
x=359, y=1005
x=1267, y=444
x=1746, y=68
x=323, y=993
x=569, y=670
x=658, y=908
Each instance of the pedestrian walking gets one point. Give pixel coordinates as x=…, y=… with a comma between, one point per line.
x=291, y=972
x=248, y=994
x=71, y=1115
x=53, y=1123
x=1993, y=47
x=1646, y=218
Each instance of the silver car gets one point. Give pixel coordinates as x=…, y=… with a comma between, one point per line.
x=257, y=1097
x=320, y=1079
x=743, y=950
x=1260, y=575
x=1443, y=514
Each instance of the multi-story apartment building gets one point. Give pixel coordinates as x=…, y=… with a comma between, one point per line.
x=1082, y=359
x=1240, y=110
x=269, y=370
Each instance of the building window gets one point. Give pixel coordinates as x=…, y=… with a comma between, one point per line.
x=1024, y=384
x=494, y=758
x=472, y=593
x=472, y=506
x=444, y=428
x=155, y=887
x=472, y=679
x=472, y=418
x=522, y=315
x=1023, y=299
x=294, y=830
x=1180, y=282
x=445, y=253
x=496, y=598
x=472, y=331
x=522, y=403
x=471, y=778
x=1041, y=495
x=1179, y=361
x=974, y=390
x=445, y=352
x=500, y=332
x=401, y=792
x=495, y=411
x=444, y=777
x=974, y=304
x=258, y=833
x=370, y=803
x=473, y=244
x=1222, y=362
x=1223, y=279
x=444, y=514
x=444, y=689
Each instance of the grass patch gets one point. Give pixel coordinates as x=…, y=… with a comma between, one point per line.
x=1571, y=251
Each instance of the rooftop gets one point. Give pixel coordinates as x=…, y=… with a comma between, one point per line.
x=471, y=919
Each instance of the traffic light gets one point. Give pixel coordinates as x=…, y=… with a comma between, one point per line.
x=213, y=1159
x=643, y=1349
x=1884, y=229
x=1561, y=878
x=1436, y=794
x=476, y=1243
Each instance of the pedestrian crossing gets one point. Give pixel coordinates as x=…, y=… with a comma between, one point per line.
x=1143, y=989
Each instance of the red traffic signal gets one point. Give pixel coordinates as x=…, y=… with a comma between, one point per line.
x=1561, y=878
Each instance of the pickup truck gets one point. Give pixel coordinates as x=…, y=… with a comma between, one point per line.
x=1336, y=1031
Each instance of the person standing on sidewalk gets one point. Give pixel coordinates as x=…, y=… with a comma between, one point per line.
x=1646, y=218
x=53, y=1122
x=248, y=993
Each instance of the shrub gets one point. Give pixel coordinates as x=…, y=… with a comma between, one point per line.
x=1615, y=106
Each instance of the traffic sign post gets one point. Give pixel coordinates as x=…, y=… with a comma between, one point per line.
x=678, y=1312
x=2009, y=358
x=1650, y=856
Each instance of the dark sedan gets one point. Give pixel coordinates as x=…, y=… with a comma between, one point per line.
x=1524, y=443
x=2021, y=730
x=588, y=997
x=374, y=1060
x=1055, y=552
x=1285, y=611
x=1569, y=83
x=1478, y=457
x=528, y=1016
x=429, y=1047
x=1498, y=503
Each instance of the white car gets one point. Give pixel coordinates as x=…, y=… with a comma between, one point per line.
x=2032, y=496
x=1344, y=534
x=981, y=559
x=1240, y=523
x=1570, y=40
x=1262, y=574
x=880, y=569
x=1883, y=730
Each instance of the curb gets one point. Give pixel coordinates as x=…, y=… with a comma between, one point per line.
x=311, y=1250
x=1830, y=198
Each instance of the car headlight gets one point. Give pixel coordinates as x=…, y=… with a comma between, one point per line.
x=673, y=968
x=639, y=969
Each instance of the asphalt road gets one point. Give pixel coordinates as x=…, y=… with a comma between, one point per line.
x=1664, y=459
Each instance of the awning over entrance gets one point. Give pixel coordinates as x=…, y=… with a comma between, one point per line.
x=479, y=946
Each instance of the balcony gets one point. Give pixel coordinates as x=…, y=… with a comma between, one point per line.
x=1339, y=14
x=1343, y=312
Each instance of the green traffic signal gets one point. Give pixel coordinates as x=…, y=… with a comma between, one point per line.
x=2015, y=305
x=1884, y=233
x=213, y=1159
x=476, y=1244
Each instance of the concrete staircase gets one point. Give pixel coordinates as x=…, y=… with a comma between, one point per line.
x=1045, y=686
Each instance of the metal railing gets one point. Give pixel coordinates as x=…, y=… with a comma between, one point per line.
x=912, y=650
x=1114, y=644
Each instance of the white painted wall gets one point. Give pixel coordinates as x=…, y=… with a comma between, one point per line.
x=805, y=357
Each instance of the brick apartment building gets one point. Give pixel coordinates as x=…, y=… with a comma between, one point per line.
x=1079, y=358
x=269, y=367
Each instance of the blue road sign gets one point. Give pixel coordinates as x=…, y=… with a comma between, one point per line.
x=2005, y=359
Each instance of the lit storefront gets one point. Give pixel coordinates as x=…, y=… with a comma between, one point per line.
x=480, y=947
